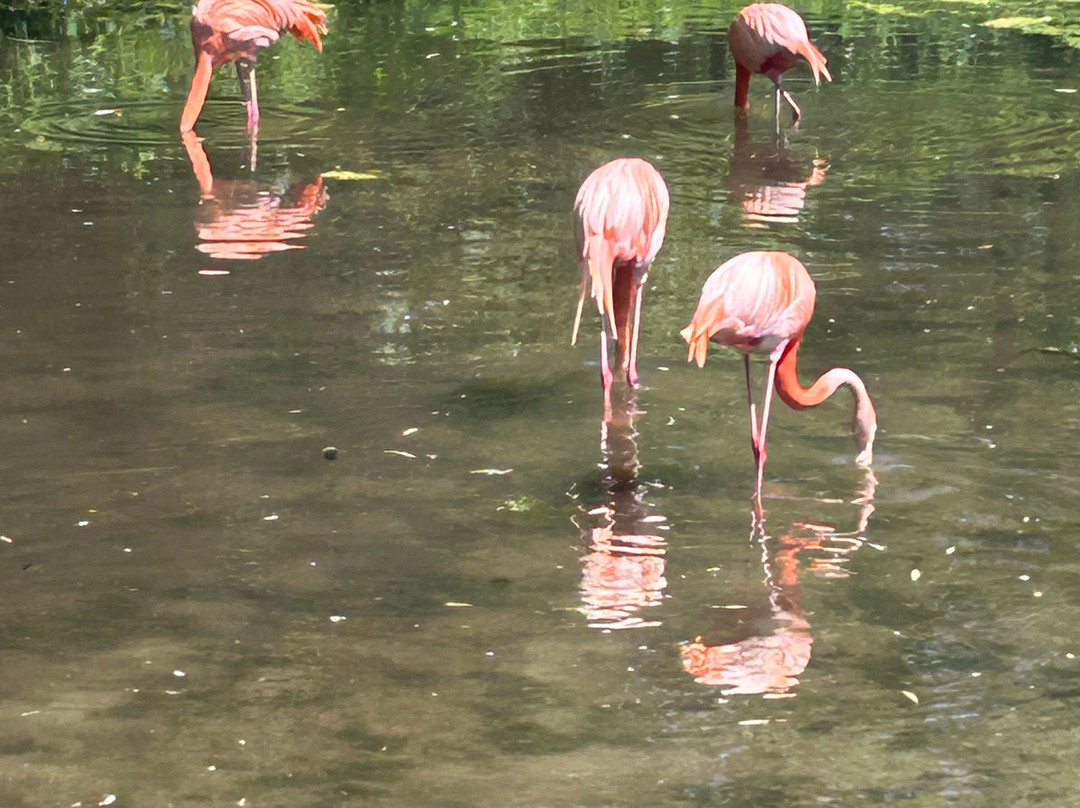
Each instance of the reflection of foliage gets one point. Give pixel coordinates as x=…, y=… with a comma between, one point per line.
x=1057, y=19
x=124, y=49
x=50, y=20
x=888, y=9
x=519, y=504
x=508, y=21
x=1064, y=23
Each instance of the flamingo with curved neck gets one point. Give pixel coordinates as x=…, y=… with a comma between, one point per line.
x=762, y=302
x=224, y=31
x=769, y=39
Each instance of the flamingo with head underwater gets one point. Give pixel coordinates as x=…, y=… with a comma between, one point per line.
x=761, y=302
x=770, y=38
x=224, y=31
x=622, y=210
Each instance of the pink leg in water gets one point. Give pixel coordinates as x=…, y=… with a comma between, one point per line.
x=763, y=431
x=253, y=104
x=754, y=443
x=607, y=378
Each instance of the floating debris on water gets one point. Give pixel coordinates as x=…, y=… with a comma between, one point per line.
x=342, y=174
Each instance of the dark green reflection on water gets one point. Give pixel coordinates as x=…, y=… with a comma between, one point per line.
x=182, y=555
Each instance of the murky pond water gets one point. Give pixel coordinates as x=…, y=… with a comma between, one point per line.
x=490, y=597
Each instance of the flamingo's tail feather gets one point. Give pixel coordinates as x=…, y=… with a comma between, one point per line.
x=697, y=340
x=597, y=257
x=309, y=24
x=816, y=59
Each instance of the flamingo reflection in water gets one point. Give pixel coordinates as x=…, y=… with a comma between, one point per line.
x=624, y=564
x=243, y=220
x=768, y=180
x=763, y=648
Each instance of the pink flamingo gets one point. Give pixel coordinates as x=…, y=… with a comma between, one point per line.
x=769, y=38
x=224, y=31
x=622, y=210
x=762, y=302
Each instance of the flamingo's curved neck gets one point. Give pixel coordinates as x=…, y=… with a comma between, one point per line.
x=798, y=397
x=742, y=87
x=200, y=84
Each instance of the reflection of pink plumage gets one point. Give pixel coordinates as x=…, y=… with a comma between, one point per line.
x=621, y=575
x=622, y=210
x=623, y=569
x=224, y=31
x=749, y=652
x=769, y=181
x=771, y=659
x=241, y=220
x=768, y=663
x=762, y=302
x=250, y=224
x=770, y=38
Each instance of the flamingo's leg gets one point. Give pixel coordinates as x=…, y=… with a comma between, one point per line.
x=753, y=410
x=763, y=453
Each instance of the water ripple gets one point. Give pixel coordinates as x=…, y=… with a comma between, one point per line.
x=154, y=123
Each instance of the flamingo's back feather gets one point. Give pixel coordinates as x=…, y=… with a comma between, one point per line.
x=752, y=303
x=622, y=210
x=244, y=20
x=768, y=37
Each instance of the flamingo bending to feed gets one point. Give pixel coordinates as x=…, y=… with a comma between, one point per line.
x=224, y=31
x=769, y=38
x=761, y=302
x=622, y=210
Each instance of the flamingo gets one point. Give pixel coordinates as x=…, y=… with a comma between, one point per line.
x=224, y=31
x=762, y=302
x=769, y=38
x=622, y=210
